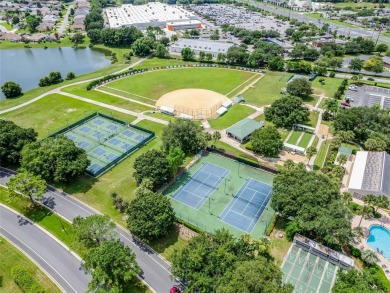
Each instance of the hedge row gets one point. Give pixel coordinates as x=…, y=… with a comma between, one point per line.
x=272, y=225
x=26, y=281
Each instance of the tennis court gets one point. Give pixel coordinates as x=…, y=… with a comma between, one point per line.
x=308, y=273
x=199, y=187
x=105, y=139
x=217, y=192
x=246, y=207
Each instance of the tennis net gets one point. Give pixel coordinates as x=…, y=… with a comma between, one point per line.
x=202, y=182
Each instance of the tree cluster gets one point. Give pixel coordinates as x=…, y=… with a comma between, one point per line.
x=266, y=141
x=120, y=37
x=220, y=263
x=301, y=51
x=313, y=201
x=287, y=111
x=359, y=45
x=354, y=281
x=52, y=78
x=11, y=89
x=370, y=126
x=299, y=87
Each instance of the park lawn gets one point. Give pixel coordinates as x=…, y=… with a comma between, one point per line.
x=8, y=26
x=81, y=90
x=304, y=142
x=357, y=5
x=330, y=125
x=380, y=84
x=318, y=16
x=161, y=116
x=313, y=118
x=267, y=89
x=154, y=84
x=233, y=115
x=294, y=137
x=65, y=42
x=54, y=112
x=160, y=62
x=321, y=155
x=48, y=220
x=329, y=88
x=232, y=150
x=387, y=34
x=244, y=86
x=279, y=246
x=11, y=256
x=312, y=100
x=116, y=92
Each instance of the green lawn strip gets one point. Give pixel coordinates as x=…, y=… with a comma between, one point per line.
x=128, y=95
x=294, y=137
x=304, y=142
x=267, y=89
x=242, y=86
x=279, y=246
x=80, y=90
x=232, y=150
x=160, y=62
x=45, y=218
x=8, y=26
x=154, y=84
x=329, y=88
x=318, y=16
x=321, y=154
x=312, y=100
x=313, y=118
x=161, y=116
x=380, y=84
x=11, y=256
x=357, y=5
x=330, y=125
x=65, y=42
x=55, y=112
x=233, y=115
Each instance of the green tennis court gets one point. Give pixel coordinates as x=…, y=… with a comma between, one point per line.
x=218, y=192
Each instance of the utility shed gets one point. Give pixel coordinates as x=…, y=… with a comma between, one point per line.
x=243, y=129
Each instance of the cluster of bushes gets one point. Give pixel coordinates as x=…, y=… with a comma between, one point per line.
x=26, y=281
x=52, y=78
x=119, y=203
x=104, y=79
x=341, y=89
x=272, y=225
x=332, y=170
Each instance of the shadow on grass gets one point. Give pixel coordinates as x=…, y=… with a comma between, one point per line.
x=135, y=286
x=162, y=244
x=81, y=185
x=36, y=213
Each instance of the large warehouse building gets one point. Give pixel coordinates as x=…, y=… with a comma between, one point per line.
x=151, y=14
x=370, y=174
x=200, y=45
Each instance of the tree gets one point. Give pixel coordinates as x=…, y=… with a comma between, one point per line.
x=32, y=22
x=366, y=212
x=202, y=56
x=175, y=158
x=300, y=87
x=331, y=106
x=342, y=159
x=381, y=48
x=55, y=159
x=12, y=140
x=310, y=152
x=150, y=216
x=287, y=111
x=112, y=266
x=373, y=144
x=142, y=46
x=296, y=36
x=92, y=231
x=187, y=54
x=70, y=76
x=77, y=38
x=259, y=275
x=185, y=134
x=161, y=51
x=356, y=64
x=216, y=136
x=354, y=78
x=374, y=64
x=352, y=281
x=313, y=201
x=381, y=202
x=267, y=141
x=152, y=165
x=346, y=198
x=369, y=257
x=11, y=89
x=221, y=58
x=26, y=184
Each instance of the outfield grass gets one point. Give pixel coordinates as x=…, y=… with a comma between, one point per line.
x=154, y=84
x=321, y=154
x=10, y=256
x=304, y=142
x=267, y=89
x=55, y=111
x=233, y=115
x=329, y=88
x=294, y=137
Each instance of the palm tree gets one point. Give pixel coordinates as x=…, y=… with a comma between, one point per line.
x=346, y=198
x=366, y=212
x=310, y=152
x=382, y=202
x=216, y=136
x=369, y=199
x=369, y=257
x=342, y=159
x=354, y=78
x=358, y=232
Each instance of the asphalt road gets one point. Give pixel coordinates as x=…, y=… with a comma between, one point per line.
x=54, y=258
x=155, y=271
x=341, y=30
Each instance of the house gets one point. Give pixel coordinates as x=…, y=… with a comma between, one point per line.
x=243, y=129
x=10, y=37
x=37, y=38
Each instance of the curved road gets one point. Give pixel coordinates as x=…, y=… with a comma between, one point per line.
x=155, y=270
x=54, y=258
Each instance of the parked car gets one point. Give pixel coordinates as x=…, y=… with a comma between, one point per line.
x=370, y=79
x=174, y=289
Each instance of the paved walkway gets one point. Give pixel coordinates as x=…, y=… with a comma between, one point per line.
x=66, y=19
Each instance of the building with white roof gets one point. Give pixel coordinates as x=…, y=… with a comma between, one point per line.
x=143, y=16
x=370, y=174
x=201, y=45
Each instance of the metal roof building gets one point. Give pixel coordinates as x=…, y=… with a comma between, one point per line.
x=243, y=129
x=201, y=45
x=370, y=174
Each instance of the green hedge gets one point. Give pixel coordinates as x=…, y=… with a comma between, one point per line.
x=271, y=225
x=26, y=281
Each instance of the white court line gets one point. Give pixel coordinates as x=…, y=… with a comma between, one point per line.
x=235, y=200
x=241, y=215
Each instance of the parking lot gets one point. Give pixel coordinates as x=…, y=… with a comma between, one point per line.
x=369, y=96
x=240, y=17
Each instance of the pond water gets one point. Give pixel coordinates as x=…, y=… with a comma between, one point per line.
x=27, y=66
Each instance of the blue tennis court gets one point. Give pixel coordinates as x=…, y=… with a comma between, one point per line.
x=94, y=168
x=126, y=146
x=84, y=129
x=128, y=133
x=112, y=127
x=114, y=141
x=247, y=206
x=99, y=135
x=139, y=138
x=200, y=186
x=98, y=151
x=83, y=144
x=98, y=121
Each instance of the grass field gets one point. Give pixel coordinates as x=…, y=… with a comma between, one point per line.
x=159, y=62
x=313, y=118
x=10, y=256
x=318, y=16
x=329, y=88
x=233, y=115
x=320, y=158
x=267, y=89
x=357, y=5
x=54, y=112
x=304, y=142
x=152, y=85
x=294, y=137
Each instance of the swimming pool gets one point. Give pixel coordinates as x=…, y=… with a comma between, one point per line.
x=379, y=239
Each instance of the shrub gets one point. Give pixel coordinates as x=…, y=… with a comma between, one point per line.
x=332, y=74
x=272, y=225
x=354, y=207
x=25, y=281
x=356, y=252
x=291, y=229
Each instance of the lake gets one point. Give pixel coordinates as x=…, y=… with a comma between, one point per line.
x=27, y=66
